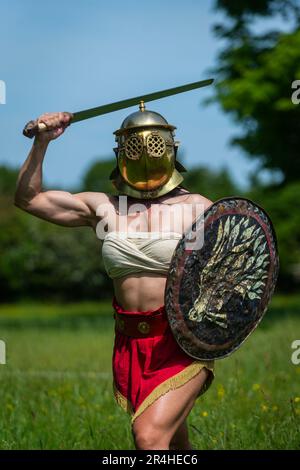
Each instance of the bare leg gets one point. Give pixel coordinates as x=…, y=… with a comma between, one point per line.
x=180, y=440
x=158, y=424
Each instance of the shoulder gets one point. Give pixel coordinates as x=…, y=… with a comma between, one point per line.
x=181, y=195
x=195, y=198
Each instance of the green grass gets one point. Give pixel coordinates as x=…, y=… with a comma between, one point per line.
x=56, y=388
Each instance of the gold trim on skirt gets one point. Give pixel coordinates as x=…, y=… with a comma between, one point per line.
x=171, y=383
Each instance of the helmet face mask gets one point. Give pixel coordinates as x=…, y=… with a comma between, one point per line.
x=146, y=156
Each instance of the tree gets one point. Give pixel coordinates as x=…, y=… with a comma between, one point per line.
x=240, y=10
x=283, y=206
x=8, y=178
x=255, y=75
x=42, y=260
x=97, y=176
x=211, y=184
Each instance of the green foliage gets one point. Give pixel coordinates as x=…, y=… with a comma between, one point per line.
x=211, y=184
x=261, y=7
x=97, y=176
x=8, y=179
x=283, y=206
x=255, y=78
x=42, y=260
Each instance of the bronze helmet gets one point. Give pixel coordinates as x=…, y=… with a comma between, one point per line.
x=146, y=156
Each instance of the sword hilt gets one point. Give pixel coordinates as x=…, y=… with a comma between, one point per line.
x=33, y=128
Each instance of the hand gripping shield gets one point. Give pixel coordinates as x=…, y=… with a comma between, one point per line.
x=217, y=292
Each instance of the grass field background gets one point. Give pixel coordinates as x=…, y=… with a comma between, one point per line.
x=56, y=388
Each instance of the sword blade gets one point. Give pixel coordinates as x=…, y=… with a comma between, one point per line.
x=109, y=108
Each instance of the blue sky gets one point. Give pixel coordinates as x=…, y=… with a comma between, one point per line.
x=68, y=55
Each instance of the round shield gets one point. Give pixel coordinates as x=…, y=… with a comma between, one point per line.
x=221, y=278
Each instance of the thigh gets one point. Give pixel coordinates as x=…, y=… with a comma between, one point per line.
x=180, y=439
x=169, y=411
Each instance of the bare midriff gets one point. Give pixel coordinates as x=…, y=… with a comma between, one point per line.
x=140, y=292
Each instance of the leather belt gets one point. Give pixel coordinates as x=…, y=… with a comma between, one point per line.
x=140, y=326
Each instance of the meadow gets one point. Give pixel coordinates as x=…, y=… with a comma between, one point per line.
x=56, y=388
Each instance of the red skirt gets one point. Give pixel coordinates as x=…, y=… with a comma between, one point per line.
x=146, y=368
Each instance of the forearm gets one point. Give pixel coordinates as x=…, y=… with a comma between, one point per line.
x=29, y=182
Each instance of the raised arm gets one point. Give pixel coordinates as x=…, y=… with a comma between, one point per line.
x=59, y=207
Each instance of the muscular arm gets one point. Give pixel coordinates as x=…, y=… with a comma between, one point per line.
x=59, y=207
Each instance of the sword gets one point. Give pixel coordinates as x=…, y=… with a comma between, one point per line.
x=32, y=128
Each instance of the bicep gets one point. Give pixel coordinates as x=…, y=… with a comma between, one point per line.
x=62, y=208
